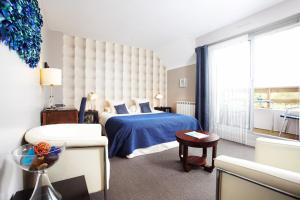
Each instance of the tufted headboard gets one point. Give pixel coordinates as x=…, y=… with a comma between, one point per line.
x=113, y=71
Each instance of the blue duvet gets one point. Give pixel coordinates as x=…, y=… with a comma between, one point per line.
x=127, y=133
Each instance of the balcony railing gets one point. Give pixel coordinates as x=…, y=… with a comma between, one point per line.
x=277, y=97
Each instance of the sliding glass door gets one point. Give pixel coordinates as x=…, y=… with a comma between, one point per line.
x=255, y=85
x=276, y=63
x=230, y=89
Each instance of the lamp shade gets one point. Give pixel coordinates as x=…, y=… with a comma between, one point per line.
x=92, y=96
x=51, y=76
x=159, y=96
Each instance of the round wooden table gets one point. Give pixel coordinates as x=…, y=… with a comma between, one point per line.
x=186, y=141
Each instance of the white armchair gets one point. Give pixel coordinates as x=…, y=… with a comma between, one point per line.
x=275, y=174
x=85, y=154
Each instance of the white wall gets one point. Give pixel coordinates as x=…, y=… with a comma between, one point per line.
x=178, y=54
x=21, y=103
x=268, y=16
x=53, y=43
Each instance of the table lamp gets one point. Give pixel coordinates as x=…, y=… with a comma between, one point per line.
x=92, y=97
x=159, y=97
x=51, y=77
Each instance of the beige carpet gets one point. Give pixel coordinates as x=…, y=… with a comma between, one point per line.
x=160, y=176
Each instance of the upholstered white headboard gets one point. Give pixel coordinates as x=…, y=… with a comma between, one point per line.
x=113, y=71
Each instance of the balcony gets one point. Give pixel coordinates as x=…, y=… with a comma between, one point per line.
x=270, y=105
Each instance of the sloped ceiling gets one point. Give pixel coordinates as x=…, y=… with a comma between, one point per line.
x=146, y=23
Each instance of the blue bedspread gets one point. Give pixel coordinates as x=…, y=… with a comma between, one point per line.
x=127, y=133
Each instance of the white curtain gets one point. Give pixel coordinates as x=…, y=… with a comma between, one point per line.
x=230, y=89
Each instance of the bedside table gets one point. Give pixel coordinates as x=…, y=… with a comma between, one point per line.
x=163, y=108
x=59, y=116
x=91, y=117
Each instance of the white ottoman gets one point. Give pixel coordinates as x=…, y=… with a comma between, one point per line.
x=85, y=154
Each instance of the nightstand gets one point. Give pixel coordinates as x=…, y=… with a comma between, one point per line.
x=91, y=117
x=59, y=116
x=164, y=108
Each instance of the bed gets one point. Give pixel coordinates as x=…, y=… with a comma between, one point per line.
x=131, y=135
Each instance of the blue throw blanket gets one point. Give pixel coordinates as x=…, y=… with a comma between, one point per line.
x=127, y=133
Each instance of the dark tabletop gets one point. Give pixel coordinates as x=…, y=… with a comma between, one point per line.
x=195, y=142
x=70, y=189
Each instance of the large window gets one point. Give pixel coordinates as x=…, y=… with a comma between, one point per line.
x=277, y=68
x=254, y=81
x=230, y=89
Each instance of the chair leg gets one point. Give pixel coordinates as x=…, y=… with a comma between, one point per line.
x=286, y=126
x=105, y=194
x=282, y=126
x=105, y=174
x=218, y=174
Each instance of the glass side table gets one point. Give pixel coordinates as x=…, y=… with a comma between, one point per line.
x=27, y=159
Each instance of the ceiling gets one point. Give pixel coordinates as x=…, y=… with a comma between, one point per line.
x=146, y=23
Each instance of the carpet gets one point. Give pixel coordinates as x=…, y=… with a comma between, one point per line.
x=160, y=176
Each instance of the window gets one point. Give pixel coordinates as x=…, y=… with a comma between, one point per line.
x=277, y=68
x=230, y=89
x=263, y=68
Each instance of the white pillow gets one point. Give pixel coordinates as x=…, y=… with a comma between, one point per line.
x=137, y=102
x=107, y=109
x=132, y=109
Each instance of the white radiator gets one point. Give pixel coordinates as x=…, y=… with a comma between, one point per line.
x=185, y=108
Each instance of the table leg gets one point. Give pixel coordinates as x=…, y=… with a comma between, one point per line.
x=180, y=151
x=204, y=152
x=185, y=164
x=214, y=155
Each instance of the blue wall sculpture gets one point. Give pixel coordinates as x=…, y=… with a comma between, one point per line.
x=20, y=28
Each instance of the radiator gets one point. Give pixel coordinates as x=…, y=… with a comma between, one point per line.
x=185, y=108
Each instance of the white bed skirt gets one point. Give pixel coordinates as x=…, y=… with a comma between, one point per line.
x=153, y=149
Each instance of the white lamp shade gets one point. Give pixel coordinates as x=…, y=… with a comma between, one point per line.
x=159, y=96
x=51, y=76
x=92, y=96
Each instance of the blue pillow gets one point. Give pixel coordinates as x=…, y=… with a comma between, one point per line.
x=121, y=109
x=145, y=107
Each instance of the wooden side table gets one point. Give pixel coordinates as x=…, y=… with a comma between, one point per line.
x=59, y=116
x=163, y=108
x=186, y=141
x=70, y=189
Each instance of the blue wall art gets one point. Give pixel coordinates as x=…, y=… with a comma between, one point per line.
x=20, y=28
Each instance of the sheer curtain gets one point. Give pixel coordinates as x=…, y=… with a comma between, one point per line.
x=230, y=89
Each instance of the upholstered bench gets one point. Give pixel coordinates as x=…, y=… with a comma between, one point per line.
x=85, y=154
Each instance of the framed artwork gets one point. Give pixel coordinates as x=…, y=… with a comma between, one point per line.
x=183, y=83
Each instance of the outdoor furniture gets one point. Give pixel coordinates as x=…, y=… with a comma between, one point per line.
x=289, y=114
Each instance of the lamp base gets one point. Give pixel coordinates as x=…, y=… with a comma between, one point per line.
x=51, y=104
